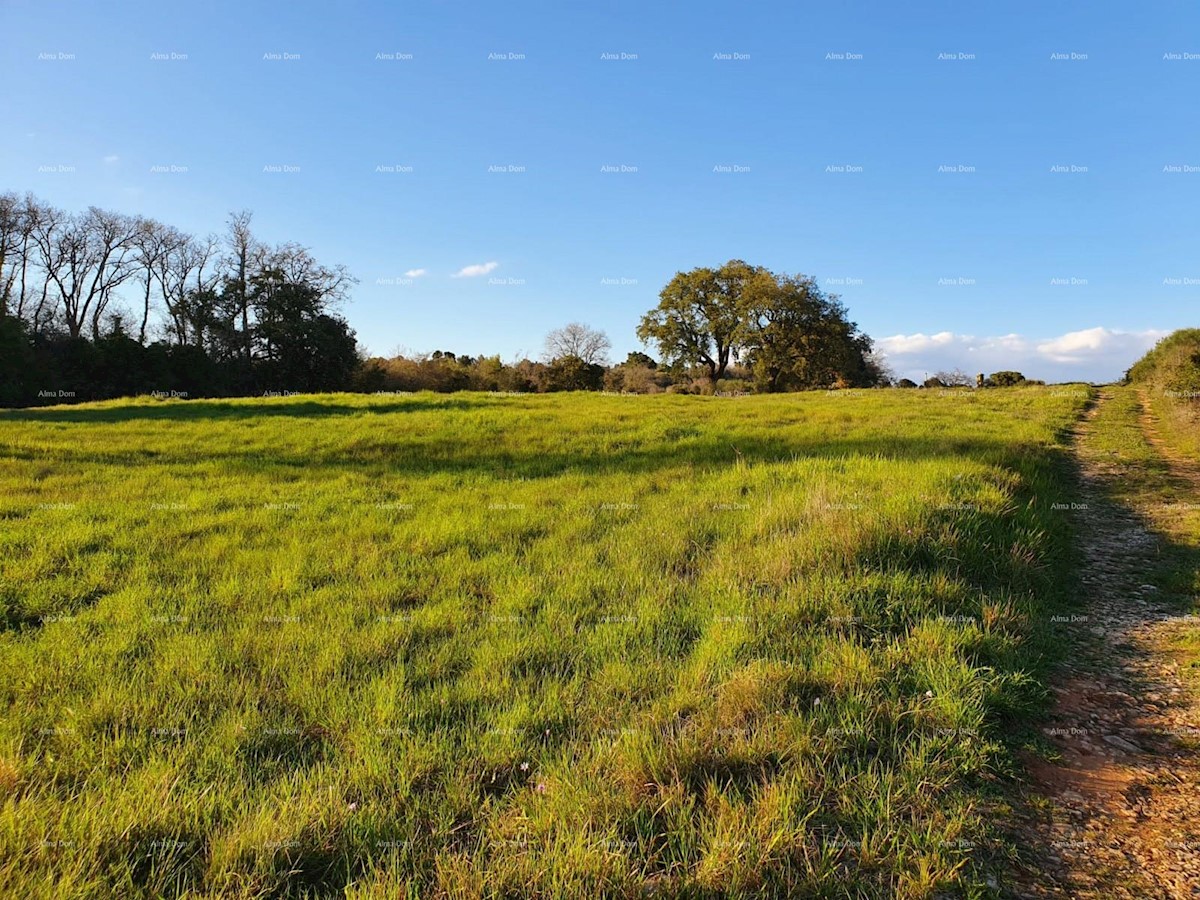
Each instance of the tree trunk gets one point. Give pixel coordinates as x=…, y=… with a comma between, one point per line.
x=145, y=314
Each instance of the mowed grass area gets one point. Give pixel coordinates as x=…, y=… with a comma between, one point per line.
x=544, y=646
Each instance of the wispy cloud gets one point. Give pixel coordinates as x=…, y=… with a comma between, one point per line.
x=1093, y=354
x=415, y=273
x=476, y=270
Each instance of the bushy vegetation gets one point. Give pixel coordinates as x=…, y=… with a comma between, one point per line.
x=1006, y=378
x=958, y=378
x=1173, y=365
x=536, y=646
x=444, y=371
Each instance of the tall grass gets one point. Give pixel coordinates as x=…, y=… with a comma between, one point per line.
x=545, y=646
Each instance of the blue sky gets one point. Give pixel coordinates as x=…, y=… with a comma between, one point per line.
x=725, y=124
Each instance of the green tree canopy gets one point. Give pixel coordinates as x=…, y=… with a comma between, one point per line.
x=700, y=317
x=791, y=334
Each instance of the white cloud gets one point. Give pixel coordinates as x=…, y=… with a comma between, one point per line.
x=112, y=159
x=1079, y=346
x=1093, y=354
x=415, y=273
x=916, y=343
x=476, y=270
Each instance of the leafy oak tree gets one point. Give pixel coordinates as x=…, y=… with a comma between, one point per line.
x=797, y=337
x=700, y=318
x=791, y=334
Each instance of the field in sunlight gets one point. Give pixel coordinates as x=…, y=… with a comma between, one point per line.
x=555, y=645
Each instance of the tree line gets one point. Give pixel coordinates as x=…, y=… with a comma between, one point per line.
x=98, y=304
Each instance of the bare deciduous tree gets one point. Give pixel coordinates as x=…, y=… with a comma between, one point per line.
x=189, y=268
x=111, y=239
x=48, y=227
x=86, y=258
x=242, y=249
x=955, y=378
x=576, y=339
x=20, y=281
x=295, y=264
x=12, y=229
x=151, y=244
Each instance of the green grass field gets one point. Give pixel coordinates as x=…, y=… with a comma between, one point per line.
x=544, y=646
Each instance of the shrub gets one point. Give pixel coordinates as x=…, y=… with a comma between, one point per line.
x=570, y=373
x=631, y=378
x=1006, y=379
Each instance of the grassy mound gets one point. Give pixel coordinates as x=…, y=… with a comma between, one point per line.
x=1173, y=365
x=1169, y=379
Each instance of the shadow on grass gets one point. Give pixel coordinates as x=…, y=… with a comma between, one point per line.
x=228, y=410
x=412, y=454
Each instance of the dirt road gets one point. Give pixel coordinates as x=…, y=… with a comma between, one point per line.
x=1119, y=810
